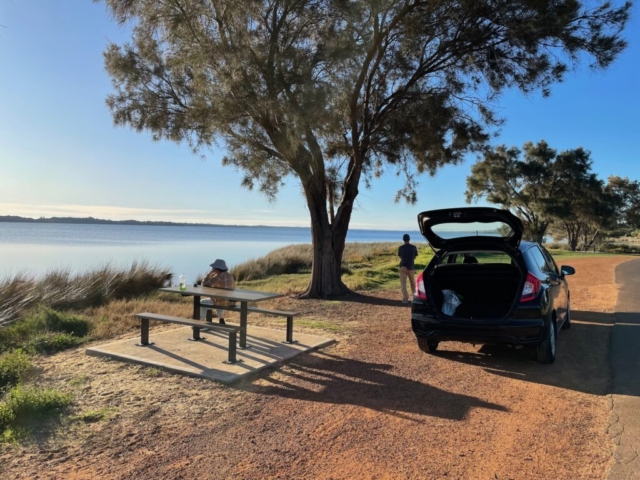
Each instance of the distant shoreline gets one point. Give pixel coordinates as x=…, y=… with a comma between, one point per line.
x=100, y=221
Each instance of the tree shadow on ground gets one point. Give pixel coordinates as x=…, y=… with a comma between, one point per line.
x=332, y=379
x=582, y=357
x=372, y=300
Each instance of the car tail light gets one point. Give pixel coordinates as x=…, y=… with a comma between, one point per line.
x=421, y=293
x=531, y=288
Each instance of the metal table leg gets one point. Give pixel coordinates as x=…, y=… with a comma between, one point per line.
x=243, y=325
x=196, y=307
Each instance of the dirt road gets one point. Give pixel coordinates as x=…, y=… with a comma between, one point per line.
x=371, y=406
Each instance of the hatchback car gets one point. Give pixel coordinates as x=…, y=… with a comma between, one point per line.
x=485, y=285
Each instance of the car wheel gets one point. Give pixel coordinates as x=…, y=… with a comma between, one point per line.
x=567, y=318
x=427, y=345
x=547, y=349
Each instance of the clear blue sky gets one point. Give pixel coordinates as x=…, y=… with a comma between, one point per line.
x=60, y=154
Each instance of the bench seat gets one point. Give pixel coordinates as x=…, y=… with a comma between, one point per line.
x=208, y=306
x=196, y=325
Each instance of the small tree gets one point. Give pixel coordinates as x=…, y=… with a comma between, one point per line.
x=624, y=195
x=582, y=209
x=334, y=92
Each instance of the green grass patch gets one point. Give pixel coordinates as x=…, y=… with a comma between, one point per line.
x=13, y=367
x=25, y=409
x=45, y=331
x=79, y=381
x=321, y=324
x=93, y=416
x=152, y=372
x=365, y=266
x=54, y=343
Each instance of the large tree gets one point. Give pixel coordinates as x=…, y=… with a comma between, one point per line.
x=333, y=92
x=537, y=183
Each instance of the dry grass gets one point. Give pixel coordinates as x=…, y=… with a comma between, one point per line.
x=60, y=289
x=118, y=317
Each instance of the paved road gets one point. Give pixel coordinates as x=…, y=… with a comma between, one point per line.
x=625, y=365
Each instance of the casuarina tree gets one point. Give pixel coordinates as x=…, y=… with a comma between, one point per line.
x=335, y=92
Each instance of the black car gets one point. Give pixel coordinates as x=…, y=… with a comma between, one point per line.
x=484, y=285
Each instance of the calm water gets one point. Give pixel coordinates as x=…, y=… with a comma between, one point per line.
x=37, y=248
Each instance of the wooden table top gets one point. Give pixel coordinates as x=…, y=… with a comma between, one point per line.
x=236, y=295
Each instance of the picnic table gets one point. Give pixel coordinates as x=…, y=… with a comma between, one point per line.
x=237, y=295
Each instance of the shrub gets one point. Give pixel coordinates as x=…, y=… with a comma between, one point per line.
x=13, y=366
x=27, y=407
x=55, y=342
x=45, y=330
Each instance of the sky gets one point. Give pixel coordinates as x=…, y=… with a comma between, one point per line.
x=60, y=154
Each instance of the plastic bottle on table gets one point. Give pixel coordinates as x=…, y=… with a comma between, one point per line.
x=183, y=282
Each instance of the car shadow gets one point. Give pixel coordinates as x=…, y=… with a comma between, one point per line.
x=582, y=357
x=326, y=378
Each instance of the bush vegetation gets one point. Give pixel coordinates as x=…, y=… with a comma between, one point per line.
x=60, y=289
x=25, y=408
x=45, y=331
x=13, y=367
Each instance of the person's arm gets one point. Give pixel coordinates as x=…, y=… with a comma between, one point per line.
x=415, y=251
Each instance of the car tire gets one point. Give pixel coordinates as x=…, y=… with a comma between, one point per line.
x=546, y=351
x=427, y=345
x=567, y=319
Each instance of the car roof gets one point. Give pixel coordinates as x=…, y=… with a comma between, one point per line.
x=526, y=245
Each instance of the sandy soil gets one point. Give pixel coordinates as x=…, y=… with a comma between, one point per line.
x=370, y=407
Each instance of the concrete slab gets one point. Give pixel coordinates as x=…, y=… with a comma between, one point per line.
x=205, y=359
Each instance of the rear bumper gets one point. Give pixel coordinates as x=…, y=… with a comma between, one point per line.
x=515, y=332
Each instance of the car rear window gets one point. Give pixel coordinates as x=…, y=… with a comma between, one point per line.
x=477, y=257
x=472, y=229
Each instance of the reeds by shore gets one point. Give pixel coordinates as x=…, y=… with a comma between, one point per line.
x=60, y=289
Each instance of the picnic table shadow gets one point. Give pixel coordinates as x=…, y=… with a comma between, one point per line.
x=582, y=356
x=339, y=380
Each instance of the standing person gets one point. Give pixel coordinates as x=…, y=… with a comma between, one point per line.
x=407, y=254
x=219, y=277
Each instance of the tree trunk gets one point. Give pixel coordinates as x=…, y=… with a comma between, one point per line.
x=328, y=247
x=591, y=242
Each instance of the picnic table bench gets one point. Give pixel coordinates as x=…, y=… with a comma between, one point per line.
x=209, y=307
x=196, y=325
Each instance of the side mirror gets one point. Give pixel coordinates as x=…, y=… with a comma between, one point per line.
x=567, y=270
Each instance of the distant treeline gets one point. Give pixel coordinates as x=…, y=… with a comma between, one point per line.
x=91, y=220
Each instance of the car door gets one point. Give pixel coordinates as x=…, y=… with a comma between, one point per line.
x=562, y=301
x=552, y=281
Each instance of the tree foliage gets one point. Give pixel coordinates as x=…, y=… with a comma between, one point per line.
x=537, y=183
x=335, y=92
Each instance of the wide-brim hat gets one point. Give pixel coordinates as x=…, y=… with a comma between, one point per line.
x=219, y=264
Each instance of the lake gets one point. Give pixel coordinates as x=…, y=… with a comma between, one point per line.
x=40, y=247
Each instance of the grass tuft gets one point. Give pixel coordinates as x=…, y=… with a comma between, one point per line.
x=13, y=367
x=26, y=408
x=92, y=416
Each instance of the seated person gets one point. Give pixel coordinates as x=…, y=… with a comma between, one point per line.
x=219, y=277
